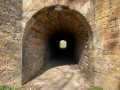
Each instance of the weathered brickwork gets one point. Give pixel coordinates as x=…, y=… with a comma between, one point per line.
x=24, y=35
x=107, y=22
x=10, y=42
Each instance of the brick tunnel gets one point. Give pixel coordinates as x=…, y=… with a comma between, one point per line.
x=42, y=36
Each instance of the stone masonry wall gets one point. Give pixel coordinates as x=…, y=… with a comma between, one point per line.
x=104, y=20
x=107, y=19
x=101, y=57
x=10, y=41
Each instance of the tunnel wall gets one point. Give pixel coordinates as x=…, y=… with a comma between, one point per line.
x=103, y=52
x=34, y=45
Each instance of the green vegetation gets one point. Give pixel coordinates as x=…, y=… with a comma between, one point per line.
x=96, y=88
x=2, y=87
x=63, y=44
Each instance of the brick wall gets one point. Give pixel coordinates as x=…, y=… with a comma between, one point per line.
x=100, y=58
x=10, y=41
x=107, y=22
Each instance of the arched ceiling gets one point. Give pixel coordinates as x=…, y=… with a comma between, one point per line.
x=48, y=21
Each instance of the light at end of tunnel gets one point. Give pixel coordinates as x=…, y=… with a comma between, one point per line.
x=63, y=44
x=58, y=8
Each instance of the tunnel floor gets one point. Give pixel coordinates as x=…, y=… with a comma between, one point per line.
x=59, y=75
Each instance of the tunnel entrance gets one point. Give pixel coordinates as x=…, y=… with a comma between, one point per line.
x=42, y=36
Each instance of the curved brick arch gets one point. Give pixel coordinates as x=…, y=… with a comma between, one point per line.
x=34, y=6
x=42, y=26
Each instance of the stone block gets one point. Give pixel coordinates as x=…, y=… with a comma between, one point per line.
x=2, y=46
x=5, y=56
x=17, y=36
x=112, y=57
x=113, y=70
x=117, y=77
x=106, y=5
x=111, y=35
x=115, y=2
x=2, y=66
x=5, y=36
x=14, y=65
x=114, y=53
x=99, y=2
x=2, y=3
x=99, y=9
x=99, y=16
x=3, y=41
x=112, y=47
x=114, y=63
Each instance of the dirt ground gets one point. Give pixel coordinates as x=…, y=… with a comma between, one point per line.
x=59, y=75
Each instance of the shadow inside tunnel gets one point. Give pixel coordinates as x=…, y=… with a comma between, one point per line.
x=56, y=62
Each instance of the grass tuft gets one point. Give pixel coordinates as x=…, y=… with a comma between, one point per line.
x=2, y=87
x=96, y=88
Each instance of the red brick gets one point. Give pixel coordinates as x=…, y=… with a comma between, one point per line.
x=112, y=46
x=5, y=56
x=117, y=9
x=113, y=70
x=2, y=63
x=117, y=77
x=5, y=36
x=2, y=41
x=113, y=58
x=2, y=47
x=111, y=35
x=114, y=52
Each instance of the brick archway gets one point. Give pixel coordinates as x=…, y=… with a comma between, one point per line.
x=42, y=26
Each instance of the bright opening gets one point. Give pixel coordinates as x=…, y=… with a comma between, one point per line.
x=63, y=44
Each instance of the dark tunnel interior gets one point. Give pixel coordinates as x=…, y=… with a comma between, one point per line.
x=58, y=53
